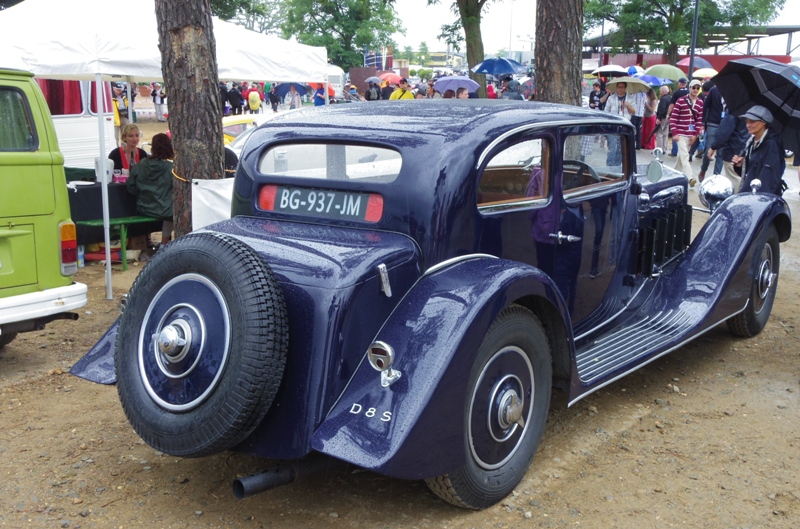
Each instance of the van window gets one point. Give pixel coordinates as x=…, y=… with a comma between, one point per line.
x=67, y=98
x=16, y=127
x=63, y=97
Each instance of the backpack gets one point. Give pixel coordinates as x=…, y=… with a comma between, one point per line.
x=373, y=94
x=254, y=100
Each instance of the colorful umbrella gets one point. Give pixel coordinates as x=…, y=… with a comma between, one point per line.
x=283, y=88
x=454, y=82
x=699, y=62
x=316, y=86
x=610, y=69
x=666, y=71
x=702, y=73
x=633, y=70
x=772, y=84
x=498, y=66
x=634, y=85
x=390, y=76
x=652, y=80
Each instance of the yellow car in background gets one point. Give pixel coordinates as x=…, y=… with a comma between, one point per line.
x=232, y=126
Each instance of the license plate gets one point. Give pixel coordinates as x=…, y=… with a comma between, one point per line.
x=325, y=203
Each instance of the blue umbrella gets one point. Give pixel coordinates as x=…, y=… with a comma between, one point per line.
x=454, y=82
x=652, y=80
x=283, y=88
x=499, y=66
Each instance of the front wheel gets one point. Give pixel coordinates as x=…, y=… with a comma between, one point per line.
x=6, y=338
x=509, y=398
x=766, y=265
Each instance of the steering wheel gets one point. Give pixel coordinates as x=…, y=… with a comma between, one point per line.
x=583, y=167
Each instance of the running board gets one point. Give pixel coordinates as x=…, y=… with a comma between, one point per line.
x=619, y=347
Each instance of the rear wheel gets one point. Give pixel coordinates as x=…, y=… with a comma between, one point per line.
x=509, y=398
x=766, y=265
x=201, y=346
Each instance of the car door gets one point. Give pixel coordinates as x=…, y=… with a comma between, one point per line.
x=592, y=182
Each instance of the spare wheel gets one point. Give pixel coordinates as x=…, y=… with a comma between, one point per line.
x=202, y=345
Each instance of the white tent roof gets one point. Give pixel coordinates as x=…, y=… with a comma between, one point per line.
x=77, y=39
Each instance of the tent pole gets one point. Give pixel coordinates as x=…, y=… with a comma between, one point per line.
x=102, y=176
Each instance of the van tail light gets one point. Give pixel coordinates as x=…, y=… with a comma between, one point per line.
x=68, y=237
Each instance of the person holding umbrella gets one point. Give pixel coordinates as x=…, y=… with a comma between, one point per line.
x=619, y=103
x=762, y=158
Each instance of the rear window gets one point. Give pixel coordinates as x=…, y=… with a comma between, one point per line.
x=332, y=162
x=16, y=127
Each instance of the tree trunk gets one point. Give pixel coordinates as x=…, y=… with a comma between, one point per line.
x=189, y=67
x=558, y=51
x=470, y=12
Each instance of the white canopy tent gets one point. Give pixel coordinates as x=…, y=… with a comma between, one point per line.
x=82, y=40
x=78, y=39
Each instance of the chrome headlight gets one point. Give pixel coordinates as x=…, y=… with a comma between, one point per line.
x=714, y=190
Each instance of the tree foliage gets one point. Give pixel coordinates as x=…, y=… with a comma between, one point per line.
x=423, y=54
x=343, y=27
x=468, y=20
x=263, y=16
x=667, y=24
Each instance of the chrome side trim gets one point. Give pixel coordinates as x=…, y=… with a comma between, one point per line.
x=566, y=123
x=588, y=192
x=454, y=260
x=512, y=204
x=639, y=366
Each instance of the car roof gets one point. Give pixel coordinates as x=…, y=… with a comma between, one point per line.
x=385, y=119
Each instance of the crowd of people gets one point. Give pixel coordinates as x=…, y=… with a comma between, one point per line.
x=694, y=122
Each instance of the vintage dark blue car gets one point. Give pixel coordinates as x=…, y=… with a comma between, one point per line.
x=401, y=286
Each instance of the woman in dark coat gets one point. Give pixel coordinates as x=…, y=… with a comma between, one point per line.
x=151, y=182
x=763, y=154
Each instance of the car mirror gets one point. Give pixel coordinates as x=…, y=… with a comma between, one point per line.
x=654, y=171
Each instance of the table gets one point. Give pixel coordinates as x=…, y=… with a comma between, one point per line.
x=86, y=203
x=122, y=223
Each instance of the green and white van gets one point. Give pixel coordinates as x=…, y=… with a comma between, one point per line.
x=38, y=243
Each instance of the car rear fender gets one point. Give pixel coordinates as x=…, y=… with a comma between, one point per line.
x=414, y=428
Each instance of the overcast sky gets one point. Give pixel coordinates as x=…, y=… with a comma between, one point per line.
x=515, y=20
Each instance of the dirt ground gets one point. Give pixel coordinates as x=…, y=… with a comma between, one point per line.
x=706, y=436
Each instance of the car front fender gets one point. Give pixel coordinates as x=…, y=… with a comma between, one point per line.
x=415, y=428
x=718, y=264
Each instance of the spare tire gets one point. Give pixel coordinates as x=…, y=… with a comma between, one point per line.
x=202, y=345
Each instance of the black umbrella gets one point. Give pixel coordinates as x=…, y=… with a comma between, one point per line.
x=772, y=84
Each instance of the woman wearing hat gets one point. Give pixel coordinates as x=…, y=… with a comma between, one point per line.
x=762, y=158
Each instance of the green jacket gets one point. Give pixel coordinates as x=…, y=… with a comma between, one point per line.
x=151, y=181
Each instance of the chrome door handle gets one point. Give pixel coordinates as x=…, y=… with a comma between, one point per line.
x=560, y=237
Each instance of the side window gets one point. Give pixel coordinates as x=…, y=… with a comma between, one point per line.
x=515, y=176
x=16, y=129
x=593, y=159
